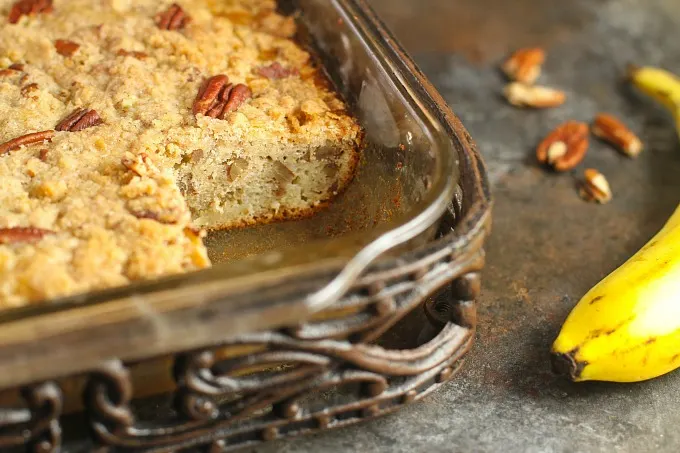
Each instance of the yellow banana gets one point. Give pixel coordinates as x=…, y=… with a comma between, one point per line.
x=660, y=85
x=627, y=328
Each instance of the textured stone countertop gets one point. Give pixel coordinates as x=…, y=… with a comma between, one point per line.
x=548, y=247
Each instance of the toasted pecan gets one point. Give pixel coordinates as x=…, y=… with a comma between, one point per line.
x=26, y=90
x=29, y=8
x=79, y=120
x=132, y=53
x=524, y=65
x=239, y=94
x=595, y=187
x=217, y=97
x=612, y=130
x=565, y=147
x=212, y=95
x=173, y=18
x=538, y=97
x=25, y=140
x=65, y=47
x=22, y=235
x=276, y=71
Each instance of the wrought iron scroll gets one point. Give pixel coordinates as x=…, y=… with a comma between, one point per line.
x=270, y=391
x=36, y=424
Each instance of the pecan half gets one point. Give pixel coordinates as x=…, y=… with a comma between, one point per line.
x=29, y=8
x=595, y=187
x=239, y=94
x=173, y=18
x=22, y=235
x=132, y=53
x=524, y=65
x=538, y=97
x=612, y=130
x=565, y=147
x=213, y=95
x=25, y=140
x=218, y=97
x=12, y=70
x=276, y=71
x=79, y=120
x=65, y=47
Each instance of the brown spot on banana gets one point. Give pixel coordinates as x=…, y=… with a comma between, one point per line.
x=601, y=332
x=595, y=300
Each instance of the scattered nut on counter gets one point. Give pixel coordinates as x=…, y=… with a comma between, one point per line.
x=595, y=187
x=565, y=147
x=524, y=65
x=612, y=130
x=539, y=97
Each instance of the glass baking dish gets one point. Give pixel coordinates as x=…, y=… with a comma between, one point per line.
x=277, y=275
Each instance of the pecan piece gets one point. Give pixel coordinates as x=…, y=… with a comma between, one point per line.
x=612, y=130
x=524, y=65
x=165, y=219
x=218, y=97
x=22, y=235
x=212, y=96
x=29, y=8
x=65, y=47
x=538, y=97
x=565, y=147
x=132, y=53
x=26, y=90
x=173, y=18
x=239, y=94
x=79, y=120
x=25, y=140
x=276, y=71
x=595, y=187
x=12, y=70
x=141, y=164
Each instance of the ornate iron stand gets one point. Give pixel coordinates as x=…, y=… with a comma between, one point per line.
x=320, y=375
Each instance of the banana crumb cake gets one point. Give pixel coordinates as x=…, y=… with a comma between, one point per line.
x=127, y=127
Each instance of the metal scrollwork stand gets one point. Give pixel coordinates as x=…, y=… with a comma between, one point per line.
x=35, y=425
x=306, y=379
x=327, y=373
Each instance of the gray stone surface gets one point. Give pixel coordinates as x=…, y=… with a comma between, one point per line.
x=548, y=247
